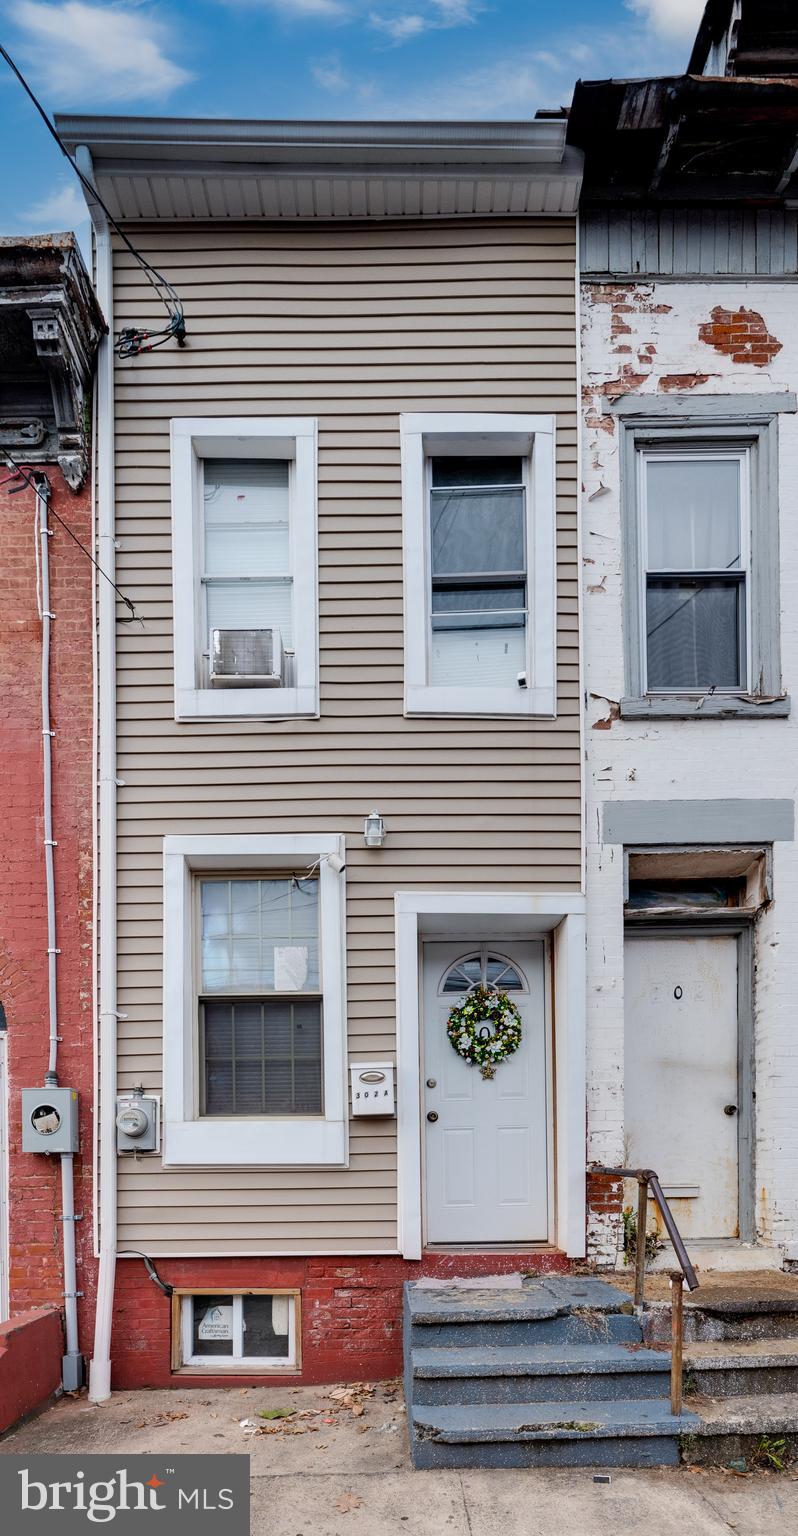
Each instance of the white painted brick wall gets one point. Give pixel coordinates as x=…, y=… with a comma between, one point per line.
x=686, y=759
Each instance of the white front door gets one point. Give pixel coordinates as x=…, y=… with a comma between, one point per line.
x=680, y=1081
x=485, y=1154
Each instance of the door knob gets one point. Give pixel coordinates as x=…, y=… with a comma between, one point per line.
x=432, y=1114
x=730, y=1109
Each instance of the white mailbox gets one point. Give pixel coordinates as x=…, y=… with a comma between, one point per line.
x=372, y=1088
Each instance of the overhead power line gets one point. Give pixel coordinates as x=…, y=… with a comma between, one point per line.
x=133, y=339
x=23, y=474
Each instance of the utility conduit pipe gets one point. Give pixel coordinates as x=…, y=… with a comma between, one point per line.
x=72, y=1364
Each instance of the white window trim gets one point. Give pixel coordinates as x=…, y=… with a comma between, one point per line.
x=237, y=1361
x=194, y=438
x=473, y=432
x=260, y=1141
x=695, y=454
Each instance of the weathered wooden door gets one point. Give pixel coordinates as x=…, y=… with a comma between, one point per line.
x=680, y=1078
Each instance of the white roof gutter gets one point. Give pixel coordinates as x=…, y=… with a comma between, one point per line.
x=191, y=168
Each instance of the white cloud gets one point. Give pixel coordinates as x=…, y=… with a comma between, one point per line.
x=330, y=74
x=301, y=10
x=675, y=20
x=399, y=28
x=437, y=16
x=62, y=209
x=96, y=53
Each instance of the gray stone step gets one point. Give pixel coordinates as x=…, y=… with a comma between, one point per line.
x=710, y=1316
x=618, y=1433
x=729, y=1428
x=537, y=1373
x=733, y=1368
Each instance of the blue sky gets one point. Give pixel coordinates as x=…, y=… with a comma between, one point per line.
x=305, y=58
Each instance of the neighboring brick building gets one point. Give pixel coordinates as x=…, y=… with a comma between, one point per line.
x=49, y=329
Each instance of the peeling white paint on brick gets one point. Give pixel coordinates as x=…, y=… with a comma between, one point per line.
x=634, y=337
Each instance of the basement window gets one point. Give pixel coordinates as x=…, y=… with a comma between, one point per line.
x=236, y=1330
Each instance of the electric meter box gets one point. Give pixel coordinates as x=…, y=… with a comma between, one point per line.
x=372, y=1088
x=50, y=1120
x=138, y=1123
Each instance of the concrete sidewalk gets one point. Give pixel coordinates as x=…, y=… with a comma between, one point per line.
x=340, y=1471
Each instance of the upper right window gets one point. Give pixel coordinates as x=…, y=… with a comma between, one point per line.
x=699, y=486
x=479, y=542
x=695, y=602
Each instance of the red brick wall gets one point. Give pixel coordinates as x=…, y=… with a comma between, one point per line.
x=31, y=1346
x=351, y=1311
x=35, y=1229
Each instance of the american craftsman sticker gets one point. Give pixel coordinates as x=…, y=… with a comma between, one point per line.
x=217, y=1323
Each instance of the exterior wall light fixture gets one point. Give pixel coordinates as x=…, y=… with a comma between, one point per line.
x=374, y=830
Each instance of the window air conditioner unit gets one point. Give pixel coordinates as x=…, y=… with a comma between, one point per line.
x=247, y=658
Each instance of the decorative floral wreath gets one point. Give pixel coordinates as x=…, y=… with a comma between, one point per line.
x=485, y=1029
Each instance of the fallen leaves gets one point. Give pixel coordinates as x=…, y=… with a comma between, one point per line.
x=168, y=1416
x=352, y=1396
x=346, y=1502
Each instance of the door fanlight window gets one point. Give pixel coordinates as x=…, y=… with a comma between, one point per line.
x=483, y=969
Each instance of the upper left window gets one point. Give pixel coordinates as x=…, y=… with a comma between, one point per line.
x=244, y=568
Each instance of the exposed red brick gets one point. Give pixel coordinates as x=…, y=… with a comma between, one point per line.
x=740, y=334
x=613, y=713
x=35, y=1233
x=672, y=381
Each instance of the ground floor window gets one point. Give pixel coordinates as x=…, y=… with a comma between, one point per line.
x=243, y=1330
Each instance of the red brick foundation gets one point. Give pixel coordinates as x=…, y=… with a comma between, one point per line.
x=351, y=1311
x=35, y=1233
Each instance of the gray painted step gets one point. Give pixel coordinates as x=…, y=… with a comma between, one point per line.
x=610, y=1433
x=570, y=1328
x=537, y=1373
x=556, y=1310
x=532, y=1301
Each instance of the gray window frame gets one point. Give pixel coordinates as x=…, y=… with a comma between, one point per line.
x=707, y=423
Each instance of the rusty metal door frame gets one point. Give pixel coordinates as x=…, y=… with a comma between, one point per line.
x=741, y=925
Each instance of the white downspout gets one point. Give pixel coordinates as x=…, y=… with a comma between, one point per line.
x=100, y=1369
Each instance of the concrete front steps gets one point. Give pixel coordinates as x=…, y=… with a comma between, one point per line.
x=543, y=1372
x=740, y=1363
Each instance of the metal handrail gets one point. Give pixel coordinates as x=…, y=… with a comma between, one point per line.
x=647, y=1180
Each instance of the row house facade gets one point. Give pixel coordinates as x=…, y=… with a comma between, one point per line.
x=340, y=755
x=451, y=647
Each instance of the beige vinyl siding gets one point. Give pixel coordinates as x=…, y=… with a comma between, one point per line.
x=351, y=325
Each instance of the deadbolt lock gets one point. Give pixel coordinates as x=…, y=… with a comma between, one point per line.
x=730, y=1109
x=432, y=1114
x=432, y=1082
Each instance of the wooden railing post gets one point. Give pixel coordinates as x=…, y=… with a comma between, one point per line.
x=640, y=1240
x=677, y=1339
